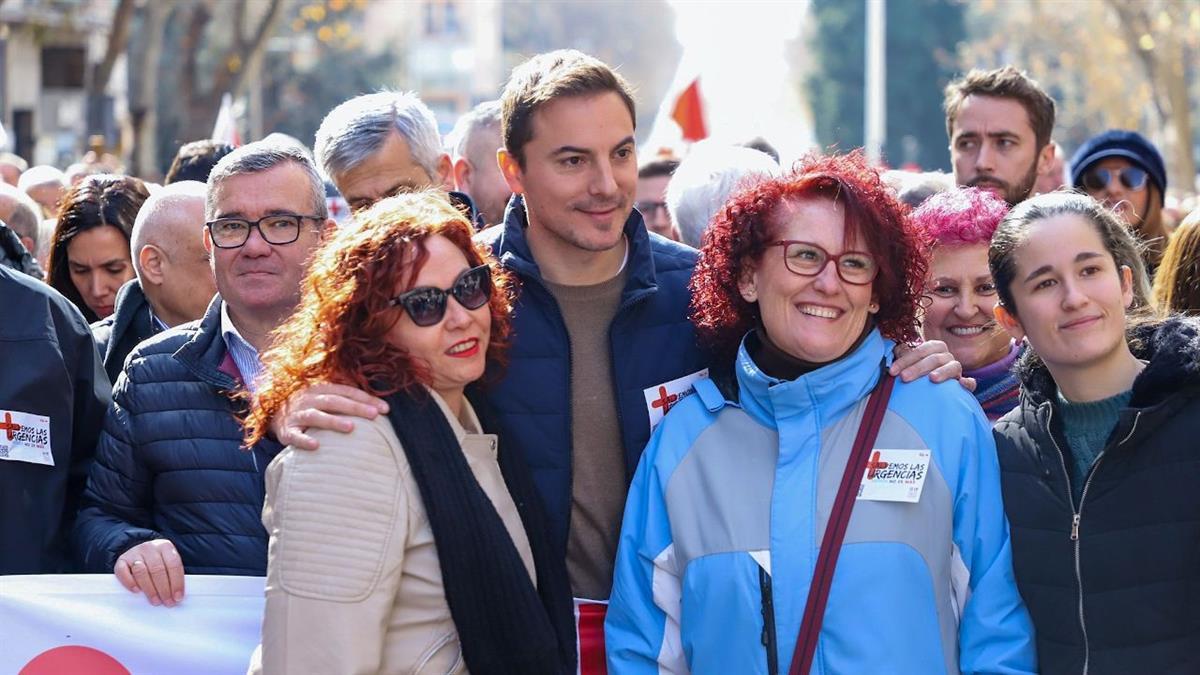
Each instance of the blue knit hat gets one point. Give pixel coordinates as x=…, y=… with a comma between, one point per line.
x=1118, y=143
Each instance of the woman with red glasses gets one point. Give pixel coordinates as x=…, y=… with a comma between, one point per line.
x=411, y=544
x=802, y=511
x=1125, y=172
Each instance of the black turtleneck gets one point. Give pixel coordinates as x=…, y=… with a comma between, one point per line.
x=783, y=366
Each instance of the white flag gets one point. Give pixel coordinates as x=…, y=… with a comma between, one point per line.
x=225, y=130
x=89, y=623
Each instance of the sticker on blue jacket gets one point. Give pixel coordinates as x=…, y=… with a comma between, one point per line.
x=894, y=475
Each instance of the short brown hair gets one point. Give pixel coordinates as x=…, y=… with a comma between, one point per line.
x=545, y=77
x=1006, y=82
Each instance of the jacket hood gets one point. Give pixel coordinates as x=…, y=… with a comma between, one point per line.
x=1170, y=347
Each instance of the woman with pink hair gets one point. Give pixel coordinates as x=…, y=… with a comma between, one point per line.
x=960, y=294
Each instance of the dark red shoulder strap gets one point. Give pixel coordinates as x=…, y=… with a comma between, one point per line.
x=835, y=529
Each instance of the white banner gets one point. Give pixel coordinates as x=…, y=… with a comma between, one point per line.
x=82, y=623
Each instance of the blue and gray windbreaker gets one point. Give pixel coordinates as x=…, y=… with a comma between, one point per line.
x=728, y=507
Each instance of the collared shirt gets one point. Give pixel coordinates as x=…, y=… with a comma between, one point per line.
x=157, y=322
x=245, y=356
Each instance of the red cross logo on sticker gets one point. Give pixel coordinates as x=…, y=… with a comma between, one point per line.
x=9, y=426
x=875, y=465
x=665, y=401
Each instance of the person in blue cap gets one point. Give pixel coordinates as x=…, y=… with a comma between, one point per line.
x=1126, y=172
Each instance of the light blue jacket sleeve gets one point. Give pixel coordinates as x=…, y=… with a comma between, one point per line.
x=995, y=631
x=641, y=631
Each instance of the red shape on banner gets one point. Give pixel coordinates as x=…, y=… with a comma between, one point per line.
x=688, y=113
x=73, y=659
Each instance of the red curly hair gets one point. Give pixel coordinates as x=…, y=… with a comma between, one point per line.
x=338, y=332
x=875, y=221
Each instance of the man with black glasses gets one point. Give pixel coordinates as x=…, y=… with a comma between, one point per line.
x=171, y=488
x=652, y=196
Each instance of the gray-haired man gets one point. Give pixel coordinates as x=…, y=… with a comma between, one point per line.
x=171, y=485
x=473, y=144
x=376, y=145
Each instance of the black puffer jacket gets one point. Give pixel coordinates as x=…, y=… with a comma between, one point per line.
x=130, y=323
x=1113, y=585
x=170, y=463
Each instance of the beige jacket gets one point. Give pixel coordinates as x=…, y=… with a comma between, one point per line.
x=353, y=582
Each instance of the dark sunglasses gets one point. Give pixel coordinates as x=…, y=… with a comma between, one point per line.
x=1131, y=177
x=426, y=305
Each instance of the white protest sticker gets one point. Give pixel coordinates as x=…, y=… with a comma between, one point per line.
x=25, y=438
x=894, y=476
x=662, y=397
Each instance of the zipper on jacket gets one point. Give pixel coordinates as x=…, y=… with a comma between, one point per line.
x=622, y=308
x=1077, y=516
x=768, y=614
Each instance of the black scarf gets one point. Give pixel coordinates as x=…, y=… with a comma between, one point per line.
x=504, y=624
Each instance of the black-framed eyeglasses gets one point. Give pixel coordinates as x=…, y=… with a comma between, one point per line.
x=426, y=305
x=1132, y=177
x=648, y=207
x=808, y=259
x=278, y=228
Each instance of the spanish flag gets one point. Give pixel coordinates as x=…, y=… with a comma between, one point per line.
x=688, y=113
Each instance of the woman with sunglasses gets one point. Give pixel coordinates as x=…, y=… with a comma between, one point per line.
x=804, y=457
x=413, y=543
x=1100, y=462
x=1126, y=173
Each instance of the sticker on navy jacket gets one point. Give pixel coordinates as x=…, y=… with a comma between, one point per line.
x=894, y=475
x=25, y=438
x=662, y=397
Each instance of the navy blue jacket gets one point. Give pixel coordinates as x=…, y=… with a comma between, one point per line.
x=48, y=367
x=170, y=462
x=130, y=323
x=652, y=342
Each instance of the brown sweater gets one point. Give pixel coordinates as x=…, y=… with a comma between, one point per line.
x=597, y=458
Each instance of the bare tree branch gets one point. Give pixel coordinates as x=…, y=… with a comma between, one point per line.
x=118, y=38
x=239, y=26
x=189, y=44
x=254, y=50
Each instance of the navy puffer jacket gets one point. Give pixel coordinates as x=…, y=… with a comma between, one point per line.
x=170, y=462
x=652, y=343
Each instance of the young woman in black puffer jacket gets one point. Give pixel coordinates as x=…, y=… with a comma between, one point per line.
x=1101, y=460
